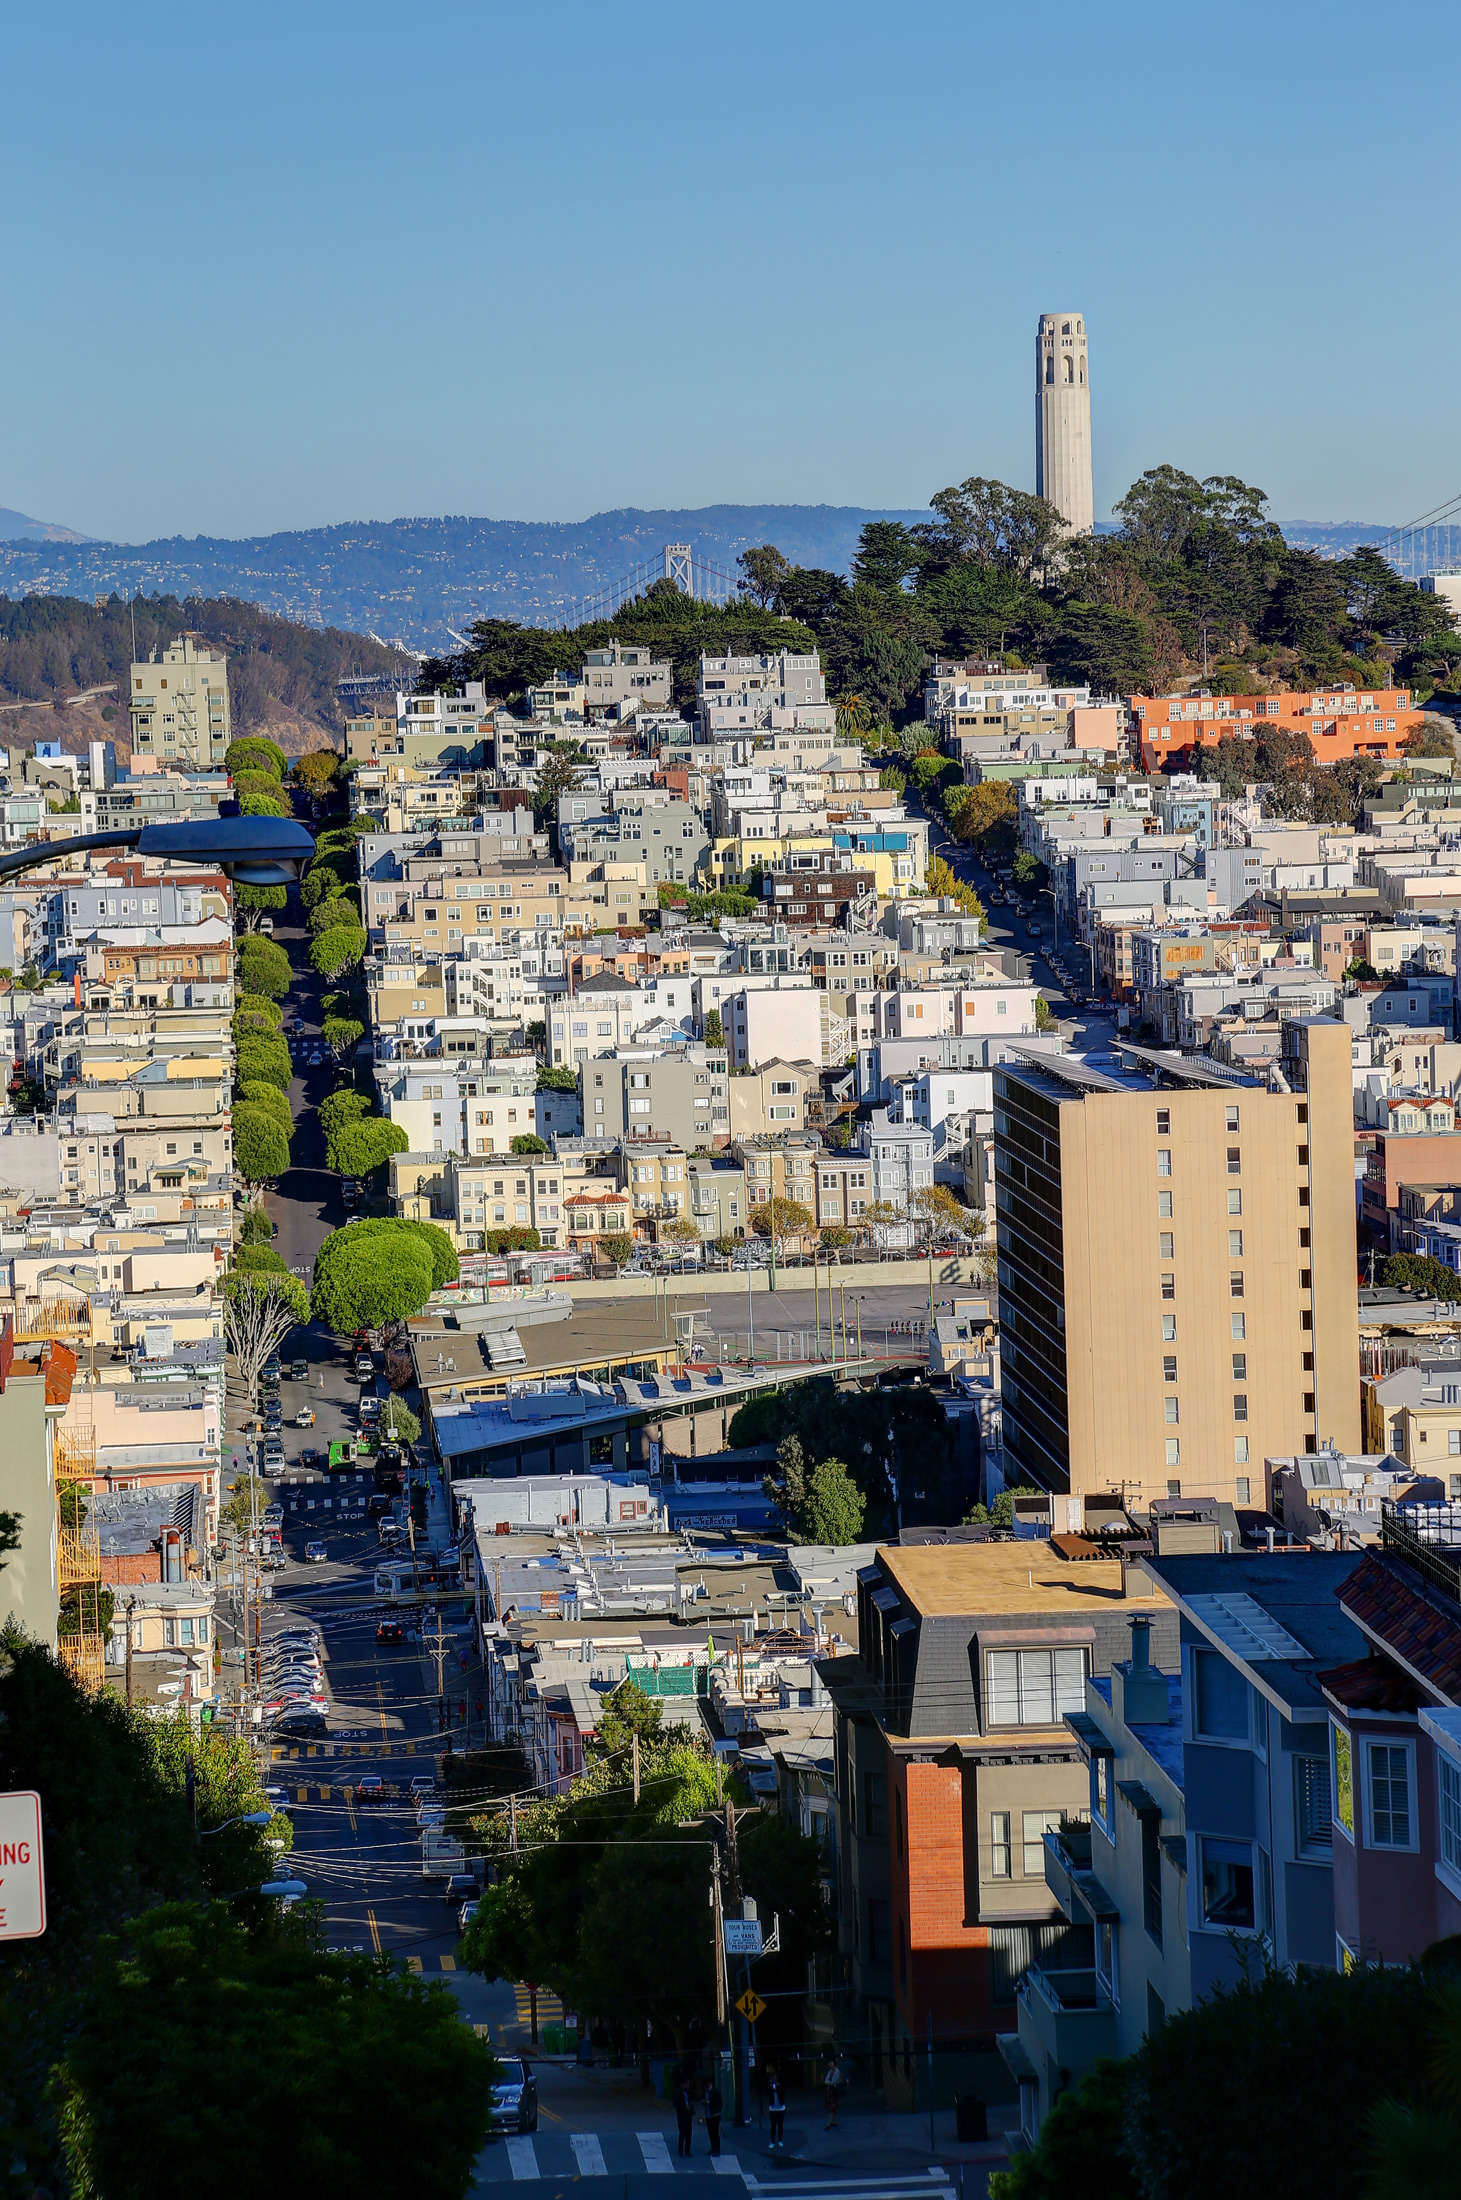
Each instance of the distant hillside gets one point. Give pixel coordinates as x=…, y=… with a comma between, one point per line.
x=57, y=651
x=15, y=527
x=413, y=580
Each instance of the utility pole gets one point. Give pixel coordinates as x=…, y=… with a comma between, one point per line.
x=438, y=1651
x=733, y=1869
x=634, y=1756
x=512, y=1821
x=131, y=1608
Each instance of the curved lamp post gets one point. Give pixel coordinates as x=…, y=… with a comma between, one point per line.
x=254, y=851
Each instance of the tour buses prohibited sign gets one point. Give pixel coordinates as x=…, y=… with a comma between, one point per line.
x=22, y=1873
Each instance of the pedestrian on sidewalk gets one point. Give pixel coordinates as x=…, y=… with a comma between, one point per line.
x=832, y=2090
x=684, y=2112
x=714, y=2110
x=776, y=2107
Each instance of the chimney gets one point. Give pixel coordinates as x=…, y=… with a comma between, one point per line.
x=1139, y=1692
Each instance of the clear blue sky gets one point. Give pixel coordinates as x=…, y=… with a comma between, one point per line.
x=278, y=266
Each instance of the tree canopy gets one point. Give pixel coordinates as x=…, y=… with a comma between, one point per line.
x=357, y=1149
x=341, y=948
x=379, y=1270
x=260, y=1145
x=264, y=968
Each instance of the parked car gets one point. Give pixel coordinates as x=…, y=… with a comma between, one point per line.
x=390, y=1630
x=370, y=1788
x=301, y=1725
x=315, y=1554
x=272, y=1453
x=465, y=1915
x=299, y=1371
x=309, y=1457
x=461, y=1887
x=279, y=1801
x=305, y=1418
x=424, y=1784
x=273, y=1516
x=513, y=2102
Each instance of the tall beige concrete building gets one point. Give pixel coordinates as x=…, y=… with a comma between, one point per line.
x=1177, y=1267
x=1063, y=419
x=179, y=706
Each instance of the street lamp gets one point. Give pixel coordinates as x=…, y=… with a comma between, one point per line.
x=253, y=851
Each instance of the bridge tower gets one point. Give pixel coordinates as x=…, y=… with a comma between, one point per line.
x=679, y=567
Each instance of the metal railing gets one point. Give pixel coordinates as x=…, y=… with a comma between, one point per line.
x=1427, y=1538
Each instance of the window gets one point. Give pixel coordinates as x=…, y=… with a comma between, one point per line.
x=1238, y=1327
x=1036, y=1824
x=1390, y=1814
x=1169, y=1329
x=1174, y=1459
x=1448, y=1781
x=1164, y=1204
x=1164, y=1122
x=1164, y=1161
x=879, y=1938
x=1221, y=1699
x=1169, y=1289
x=170, y=1632
x=874, y=1802
x=999, y=1844
x=1166, y=1246
x=1235, y=1284
x=1169, y=1412
x=1235, y=1160
x=1033, y=1687
x=1235, y=1203
x=1235, y=1244
x=1101, y=1789
x=1342, y=1788
x=1240, y=1483
x=1227, y=1885
x=1240, y=1459
x=1107, y=1970
x=1232, y=1119
x=1311, y=1804
x=1240, y=1367
x=1169, y=1367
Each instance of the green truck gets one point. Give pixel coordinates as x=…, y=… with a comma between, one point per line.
x=350, y=1451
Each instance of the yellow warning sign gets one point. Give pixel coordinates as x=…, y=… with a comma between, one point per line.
x=750, y=2005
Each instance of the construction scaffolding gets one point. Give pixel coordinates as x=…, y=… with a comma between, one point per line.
x=81, y=1643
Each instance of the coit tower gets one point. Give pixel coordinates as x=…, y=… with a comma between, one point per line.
x=1063, y=419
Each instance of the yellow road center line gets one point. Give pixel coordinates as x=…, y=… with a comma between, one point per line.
x=374, y=1930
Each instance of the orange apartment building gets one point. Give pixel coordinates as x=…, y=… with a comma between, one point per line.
x=1340, y=722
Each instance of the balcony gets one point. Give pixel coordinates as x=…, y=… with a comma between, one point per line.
x=1069, y=2014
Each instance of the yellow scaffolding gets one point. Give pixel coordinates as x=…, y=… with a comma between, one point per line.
x=78, y=1553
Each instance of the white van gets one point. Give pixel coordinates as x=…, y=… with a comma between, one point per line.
x=266, y=924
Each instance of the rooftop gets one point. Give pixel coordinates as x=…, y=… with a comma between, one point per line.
x=947, y=1581
x=1278, y=1613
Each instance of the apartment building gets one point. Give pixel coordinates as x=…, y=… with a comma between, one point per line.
x=178, y=703
x=495, y=902
x=641, y=825
x=444, y=729
x=952, y=1762
x=617, y=681
x=1176, y=1266
x=469, y=1108
x=680, y=1095
x=1393, y=1754
x=1209, y=1836
x=471, y=1197
x=779, y=692
x=652, y=1171
x=773, y=1098
x=780, y=1168
x=979, y=686
x=844, y=1190
x=718, y=1200
x=1340, y=722
x=776, y=1019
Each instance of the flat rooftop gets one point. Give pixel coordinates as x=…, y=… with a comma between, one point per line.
x=955, y=1580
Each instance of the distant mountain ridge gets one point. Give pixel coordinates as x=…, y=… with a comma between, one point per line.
x=15, y=527
x=413, y=580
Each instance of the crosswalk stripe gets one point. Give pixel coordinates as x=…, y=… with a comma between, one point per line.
x=520, y=2154
x=413, y=1963
x=588, y=2154
x=302, y=1796
x=448, y=1963
x=725, y=2165
x=906, y=2187
x=656, y=2154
